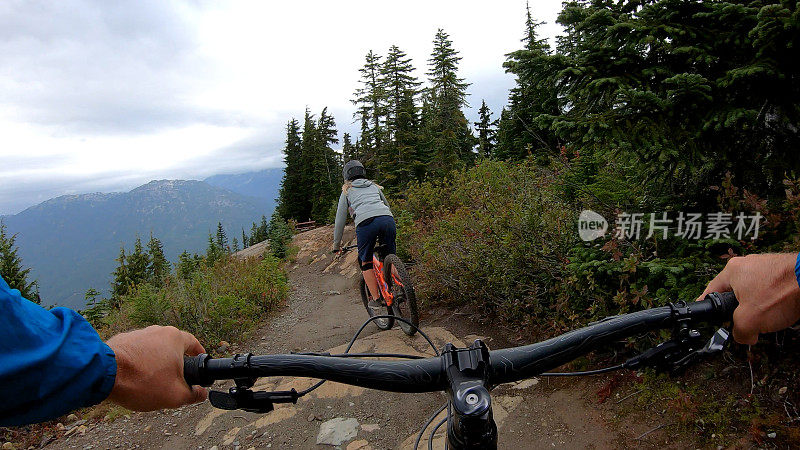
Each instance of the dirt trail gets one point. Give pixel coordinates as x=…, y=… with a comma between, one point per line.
x=323, y=312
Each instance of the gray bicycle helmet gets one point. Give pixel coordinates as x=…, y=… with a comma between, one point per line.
x=354, y=170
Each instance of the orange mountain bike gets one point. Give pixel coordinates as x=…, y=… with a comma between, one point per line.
x=397, y=291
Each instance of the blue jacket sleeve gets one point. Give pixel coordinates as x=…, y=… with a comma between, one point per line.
x=51, y=362
x=797, y=269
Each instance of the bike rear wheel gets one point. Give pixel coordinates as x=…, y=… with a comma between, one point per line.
x=405, y=300
x=383, y=324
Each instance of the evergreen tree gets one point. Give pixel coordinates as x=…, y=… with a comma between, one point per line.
x=293, y=197
x=399, y=158
x=325, y=168
x=254, y=238
x=262, y=230
x=310, y=158
x=245, y=241
x=214, y=252
x=159, y=266
x=121, y=282
x=235, y=246
x=222, y=238
x=279, y=236
x=680, y=88
x=533, y=103
x=447, y=130
x=486, y=131
x=138, y=263
x=187, y=264
x=11, y=268
x=370, y=106
x=349, y=151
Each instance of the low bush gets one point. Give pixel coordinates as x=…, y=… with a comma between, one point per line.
x=503, y=236
x=496, y=235
x=222, y=302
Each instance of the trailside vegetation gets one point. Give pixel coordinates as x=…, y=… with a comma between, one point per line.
x=216, y=296
x=12, y=269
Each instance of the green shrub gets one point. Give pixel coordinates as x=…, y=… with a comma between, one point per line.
x=496, y=235
x=147, y=306
x=279, y=236
x=503, y=236
x=222, y=302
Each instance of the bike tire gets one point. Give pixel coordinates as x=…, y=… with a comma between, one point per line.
x=383, y=324
x=405, y=299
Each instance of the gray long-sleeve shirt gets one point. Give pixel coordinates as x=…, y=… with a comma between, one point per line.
x=363, y=200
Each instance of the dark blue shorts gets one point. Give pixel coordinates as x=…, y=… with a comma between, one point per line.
x=380, y=228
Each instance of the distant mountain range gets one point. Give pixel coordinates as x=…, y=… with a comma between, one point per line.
x=71, y=241
x=264, y=184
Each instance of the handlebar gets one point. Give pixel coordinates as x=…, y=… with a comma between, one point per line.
x=429, y=375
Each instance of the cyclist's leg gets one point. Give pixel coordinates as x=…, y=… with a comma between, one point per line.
x=388, y=233
x=366, y=235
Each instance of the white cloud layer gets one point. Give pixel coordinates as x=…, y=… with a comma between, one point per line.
x=98, y=95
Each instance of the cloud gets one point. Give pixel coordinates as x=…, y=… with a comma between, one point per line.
x=100, y=95
x=97, y=67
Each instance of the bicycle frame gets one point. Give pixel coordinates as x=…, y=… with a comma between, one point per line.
x=377, y=265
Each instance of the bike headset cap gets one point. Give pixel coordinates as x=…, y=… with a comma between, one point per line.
x=354, y=170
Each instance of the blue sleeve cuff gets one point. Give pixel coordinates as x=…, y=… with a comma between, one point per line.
x=797, y=269
x=106, y=383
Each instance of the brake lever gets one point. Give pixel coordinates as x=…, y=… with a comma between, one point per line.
x=241, y=397
x=675, y=355
x=252, y=401
x=717, y=342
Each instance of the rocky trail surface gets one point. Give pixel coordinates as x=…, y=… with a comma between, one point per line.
x=322, y=314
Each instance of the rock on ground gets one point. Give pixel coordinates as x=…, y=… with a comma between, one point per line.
x=336, y=431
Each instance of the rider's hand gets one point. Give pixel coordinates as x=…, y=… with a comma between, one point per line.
x=767, y=290
x=150, y=369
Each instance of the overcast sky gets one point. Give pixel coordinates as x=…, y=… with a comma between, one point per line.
x=106, y=95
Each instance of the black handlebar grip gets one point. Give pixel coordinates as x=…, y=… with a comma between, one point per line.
x=724, y=303
x=194, y=370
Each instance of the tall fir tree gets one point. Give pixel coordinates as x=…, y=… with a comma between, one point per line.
x=159, y=266
x=214, y=252
x=680, y=88
x=446, y=131
x=526, y=126
x=399, y=157
x=121, y=280
x=12, y=269
x=221, y=239
x=138, y=263
x=292, y=196
x=485, y=127
x=349, y=150
x=325, y=168
x=370, y=105
x=308, y=145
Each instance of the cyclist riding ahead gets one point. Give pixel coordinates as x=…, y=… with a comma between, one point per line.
x=365, y=202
